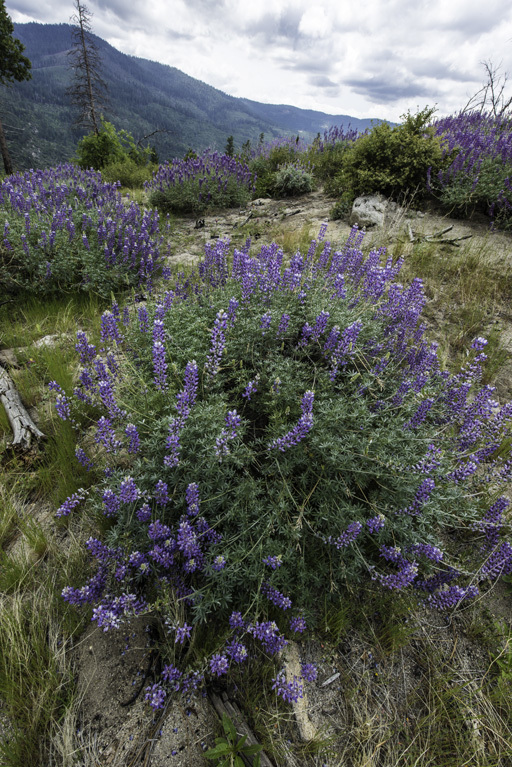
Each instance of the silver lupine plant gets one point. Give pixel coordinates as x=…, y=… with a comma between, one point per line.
x=65, y=229
x=287, y=458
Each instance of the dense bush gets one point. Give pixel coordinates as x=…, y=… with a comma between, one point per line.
x=292, y=180
x=327, y=154
x=269, y=157
x=271, y=432
x=128, y=173
x=67, y=230
x=196, y=184
x=480, y=174
x=393, y=160
x=96, y=150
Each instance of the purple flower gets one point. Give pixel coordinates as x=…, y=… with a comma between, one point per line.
x=128, y=490
x=159, y=365
x=237, y=651
x=133, y=435
x=144, y=513
x=273, y=562
x=289, y=691
x=83, y=459
x=376, y=523
x=309, y=672
x=111, y=503
x=161, y=494
x=182, y=633
x=251, y=388
x=227, y=434
x=275, y=596
x=219, y=664
x=172, y=676
x=348, y=536
x=192, y=496
x=236, y=621
x=298, y=624
x=283, y=325
x=155, y=696
x=71, y=503
x=303, y=426
x=217, y=344
x=219, y=563
x=265, y=322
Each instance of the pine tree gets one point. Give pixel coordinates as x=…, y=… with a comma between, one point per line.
x=88, y=91
x=13, y=66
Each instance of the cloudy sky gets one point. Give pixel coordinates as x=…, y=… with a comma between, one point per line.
x=376, y=58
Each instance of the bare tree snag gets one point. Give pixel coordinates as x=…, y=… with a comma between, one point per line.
x=23, y=427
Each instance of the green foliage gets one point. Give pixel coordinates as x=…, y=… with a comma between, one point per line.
x=13, y=65
x=292, y=180
x=110, y=147
x=230, y=147
x=392, y=160
x=128, y=173
x=340, y=209
x=467, y=192
x=229, y=750
x=267, y=165
x=328, y=163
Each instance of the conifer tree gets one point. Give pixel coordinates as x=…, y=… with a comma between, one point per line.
x=13, y=66
x=88, y=90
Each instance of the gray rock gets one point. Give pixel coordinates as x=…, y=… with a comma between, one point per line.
x=369, y=210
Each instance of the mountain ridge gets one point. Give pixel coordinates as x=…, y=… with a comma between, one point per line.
x=144, y=96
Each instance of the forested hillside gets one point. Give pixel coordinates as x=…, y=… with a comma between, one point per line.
x=145, y=96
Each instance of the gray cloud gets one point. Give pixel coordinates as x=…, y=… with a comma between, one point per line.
x=271, y=27
x=321, y=81
x=387, y=91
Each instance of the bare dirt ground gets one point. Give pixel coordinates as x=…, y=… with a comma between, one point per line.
x=365, y=680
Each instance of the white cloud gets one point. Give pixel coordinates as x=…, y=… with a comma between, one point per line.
x=315, y=23
x=376, y=59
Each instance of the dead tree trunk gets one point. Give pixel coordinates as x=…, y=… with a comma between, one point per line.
x=24, y=429
x=5, y=152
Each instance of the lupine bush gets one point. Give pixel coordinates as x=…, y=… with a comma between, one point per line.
x=195, y=184
x=271, y=432
x=65, y=229
x=327, y=154
x=480, y=175
x=269, y=157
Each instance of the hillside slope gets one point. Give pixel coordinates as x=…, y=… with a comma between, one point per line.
x=144, y=96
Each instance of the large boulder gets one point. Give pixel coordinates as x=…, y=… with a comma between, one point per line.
x=369, y=210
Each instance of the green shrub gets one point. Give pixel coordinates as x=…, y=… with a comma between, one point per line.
x=128, y=173
x=292, y=180
x=267, y=163
x=467, y=193
x=108, y=147
x=392, y=160
x=196, y=184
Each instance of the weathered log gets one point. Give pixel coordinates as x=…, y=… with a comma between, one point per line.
x=225, y=706
x=23, y=427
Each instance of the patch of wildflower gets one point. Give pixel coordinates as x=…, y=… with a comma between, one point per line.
x=384, y=485
x=75, y=233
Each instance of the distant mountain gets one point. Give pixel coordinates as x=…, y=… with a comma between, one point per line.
x=144, y=96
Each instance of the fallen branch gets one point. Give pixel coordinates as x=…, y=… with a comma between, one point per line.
x=223, y=705
x=437, y=237
x=23, y=427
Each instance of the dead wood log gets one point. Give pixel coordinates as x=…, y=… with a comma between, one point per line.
x=437, y=237
x=224, y=706
x=23, y=427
